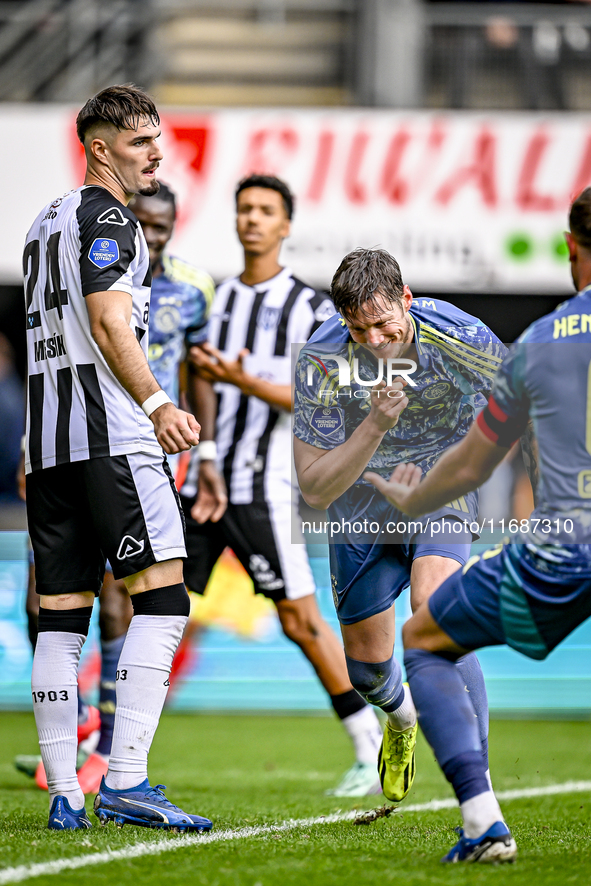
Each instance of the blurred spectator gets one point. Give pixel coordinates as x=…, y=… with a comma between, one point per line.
x=537, y=55
x=12, y=409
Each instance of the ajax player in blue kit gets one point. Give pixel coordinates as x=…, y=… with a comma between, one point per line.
x=344, y=425
x=531, y=592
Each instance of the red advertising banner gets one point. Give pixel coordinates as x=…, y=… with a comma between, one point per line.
x=465, y=201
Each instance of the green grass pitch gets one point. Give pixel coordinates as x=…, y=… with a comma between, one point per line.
x=257, y=771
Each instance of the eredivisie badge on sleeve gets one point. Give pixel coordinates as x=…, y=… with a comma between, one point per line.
x=104, y=252
x=327, y=420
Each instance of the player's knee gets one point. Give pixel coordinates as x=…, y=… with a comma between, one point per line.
x=169, y=600
x=367, y=677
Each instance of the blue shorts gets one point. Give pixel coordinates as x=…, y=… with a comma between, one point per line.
x=502, y=598
x=367, y=579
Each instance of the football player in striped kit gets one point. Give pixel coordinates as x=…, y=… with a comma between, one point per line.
x=180, y=300
x=255, y=319
x=97, y=481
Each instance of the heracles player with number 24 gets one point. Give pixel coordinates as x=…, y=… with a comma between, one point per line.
x=97, y=482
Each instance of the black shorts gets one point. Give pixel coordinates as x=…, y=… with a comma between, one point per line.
x=260, y=535
x=124, y=508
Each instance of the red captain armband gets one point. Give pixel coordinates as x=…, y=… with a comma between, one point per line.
x=500, y=428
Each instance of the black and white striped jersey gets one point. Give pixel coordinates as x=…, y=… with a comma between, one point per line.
x=254, y=440
x=83, y=242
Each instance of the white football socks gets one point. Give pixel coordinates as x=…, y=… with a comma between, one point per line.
x=479, y=813
x=366, y=734
x=55, y=704
x=142, y=684
x=405, y=715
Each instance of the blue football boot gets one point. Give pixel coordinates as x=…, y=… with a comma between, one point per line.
x=495, y=845
x=146, y=807
x=63, y=818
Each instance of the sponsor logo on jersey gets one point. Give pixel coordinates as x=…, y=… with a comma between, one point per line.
x=324, y=311
x=47, y=348
x=268, y=318
x=129, y=547
x=104, y=252
x=167, y=319
x=52, y=211
x=112, y=216
x=257, y=464
x=326, y=420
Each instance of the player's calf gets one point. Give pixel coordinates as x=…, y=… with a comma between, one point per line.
x=55, y=697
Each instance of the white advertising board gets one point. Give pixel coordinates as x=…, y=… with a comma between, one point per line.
x=466, y=201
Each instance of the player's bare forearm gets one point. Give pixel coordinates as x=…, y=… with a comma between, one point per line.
x=109, y=314
x=212, y=496
x=461, y=469
x=325, y=474
x=213, y=366
x=277, y=396
x=203, y=403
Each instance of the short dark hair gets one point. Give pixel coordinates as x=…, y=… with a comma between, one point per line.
x=363, y=274
x=273, y=184
x=124, y=107
x=165, y=193
x=580, y=219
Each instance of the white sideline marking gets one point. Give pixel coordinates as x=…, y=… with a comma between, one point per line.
x=27, y=872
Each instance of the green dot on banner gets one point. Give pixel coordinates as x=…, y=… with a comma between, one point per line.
x=519, y=247
x=559, y=248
